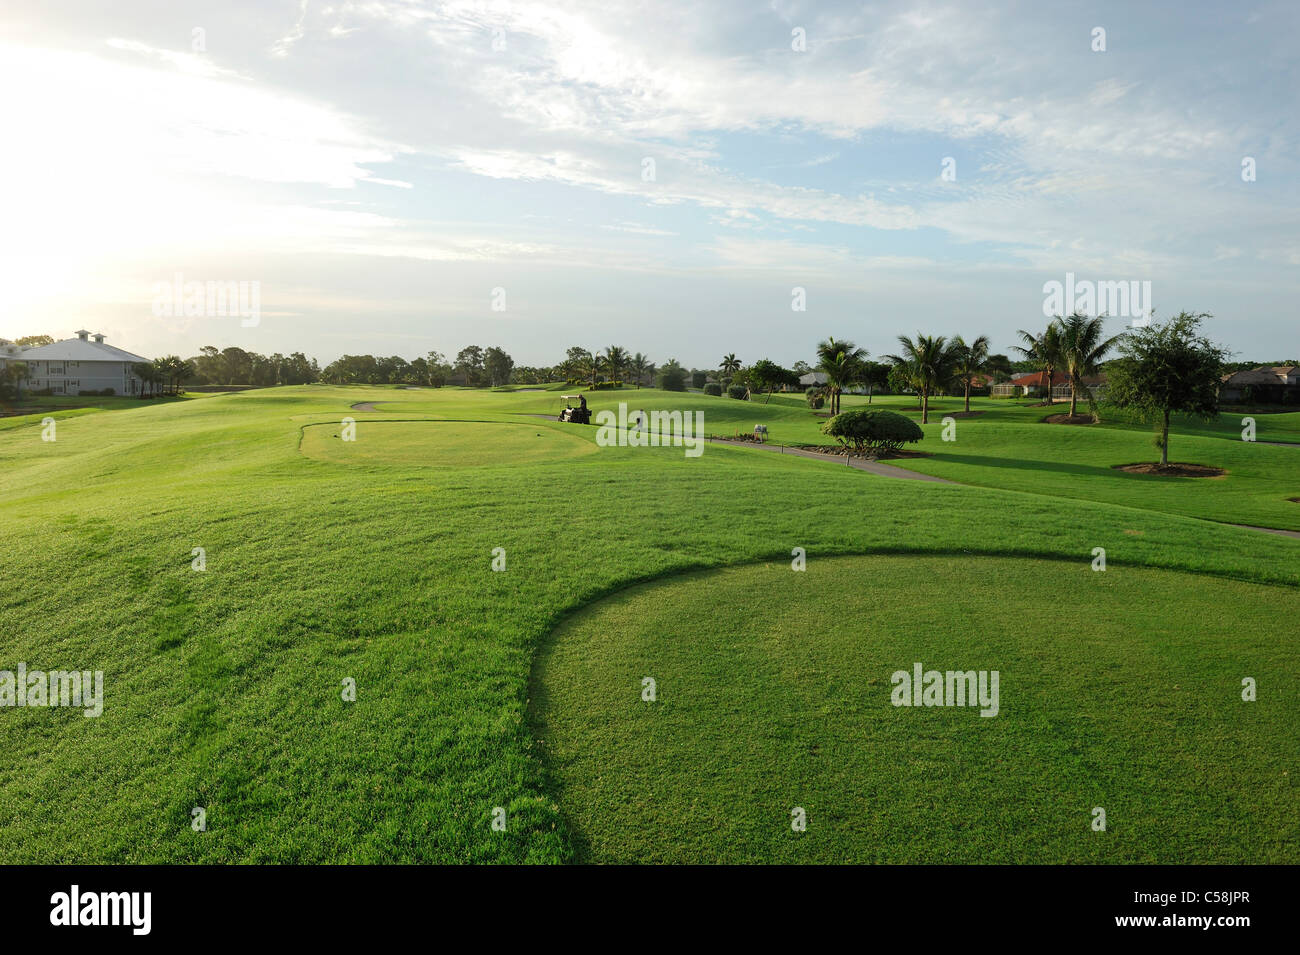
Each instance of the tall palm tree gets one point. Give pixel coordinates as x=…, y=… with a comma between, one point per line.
x=615, y=360
x=638, y=365
x=970, y=360
x=1045, y=349
x=842, y=363
x=730, y=365
x=930, y=361
x=1082, y=349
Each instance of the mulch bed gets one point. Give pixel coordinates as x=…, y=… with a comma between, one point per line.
x=1173, y=470
x=1067, y=419
x=849, y=452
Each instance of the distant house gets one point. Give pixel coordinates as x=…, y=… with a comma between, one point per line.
x=1095, y=383
x=1030, y=383
x=1268, y=384
x=84, y=363
x=814, y=379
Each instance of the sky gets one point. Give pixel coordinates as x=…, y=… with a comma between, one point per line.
x=390, y=177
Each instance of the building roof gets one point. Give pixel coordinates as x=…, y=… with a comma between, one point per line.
x=79, y=349
x=813, y=378
x=1263, y=375
x=1035, y=379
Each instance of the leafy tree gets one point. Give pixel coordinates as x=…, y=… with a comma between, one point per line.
x=237, y=366
x=12, y=376
x=841, y=362
x=929, y=361
x=770, y=376
x=900, y=382
x=576, y=364
x=497, y=365
x=33, y=341
x=672, y=377
x=999, y=366
x=469, y=362
x=699, y=378
x=875, y=374
x=730, y=364
x=1043, y=349
x=1164, y=368
x=1082, y=351
x=439, y=369
x=969, y=361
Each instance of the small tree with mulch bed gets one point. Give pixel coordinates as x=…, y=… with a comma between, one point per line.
x=1166, y=368
x=873, y=430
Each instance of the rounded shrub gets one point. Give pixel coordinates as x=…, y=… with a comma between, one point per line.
x=739, y=392
x=873, y=429
x=713, y=388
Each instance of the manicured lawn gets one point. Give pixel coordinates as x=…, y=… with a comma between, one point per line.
x=443, y=444
x=773, y=691
x=372, y=560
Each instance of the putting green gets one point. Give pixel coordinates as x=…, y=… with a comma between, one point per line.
x=444, y=444
x=1119, y=689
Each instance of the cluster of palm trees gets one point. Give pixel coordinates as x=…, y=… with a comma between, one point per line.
x=926, y=363
x=612, y=363
x=162, y=375
x=1074, y=344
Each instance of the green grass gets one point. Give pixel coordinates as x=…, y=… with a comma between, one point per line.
x=773, y=691
x=373, y=562
x=438, y=444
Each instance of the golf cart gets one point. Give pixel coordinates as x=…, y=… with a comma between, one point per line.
x=579, y=415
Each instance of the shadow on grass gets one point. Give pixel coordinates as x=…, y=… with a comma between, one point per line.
x=1021, y=464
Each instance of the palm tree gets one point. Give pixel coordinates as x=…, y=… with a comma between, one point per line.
x=841, y=362
x=638, y=365
x=615, y=360
x=930, y=361
x=1045, y=349
x=970, y=360
x=729, y=367
x=1082, y=349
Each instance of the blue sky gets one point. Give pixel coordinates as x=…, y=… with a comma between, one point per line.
x=380, y=167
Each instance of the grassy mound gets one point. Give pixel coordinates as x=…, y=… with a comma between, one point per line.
x=774, y=692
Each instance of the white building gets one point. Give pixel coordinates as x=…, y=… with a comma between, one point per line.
x=80, y=364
